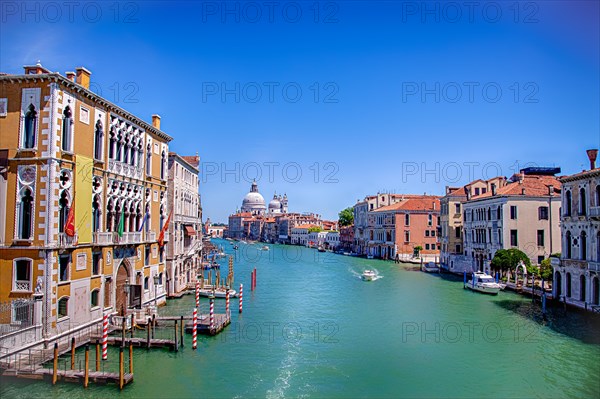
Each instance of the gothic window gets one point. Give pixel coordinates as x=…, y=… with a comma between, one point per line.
x=148, y=217
x=67, y=129
x=96, y=213
x=98, y=140
x=25, y=214
x=111, y=147
x=583, y=246
x=582, y=201
x=568, y=244
x=30, y=125
x=118, y=155
x=568, y=203
x=148, y=159
x=162, y=165
x=63, y=210
x=110, y=215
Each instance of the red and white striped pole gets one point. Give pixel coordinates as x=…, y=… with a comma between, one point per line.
x=227, y=304
x=197, y=294
x=241, y=296
x=194, y=325
x=212, y=314
x=105, y=337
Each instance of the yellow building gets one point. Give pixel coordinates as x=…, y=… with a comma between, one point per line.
x=63, y=147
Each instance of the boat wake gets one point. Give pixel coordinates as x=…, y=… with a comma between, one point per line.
x=359, y=275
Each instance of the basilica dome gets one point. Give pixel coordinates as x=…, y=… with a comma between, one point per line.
x=274, y=205
x=254, y=201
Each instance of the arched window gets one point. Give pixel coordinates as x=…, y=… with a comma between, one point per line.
x=489, y=215
x=30, y=125
x=582, y=288
x=499, y=212
x=148, y=159
x=598, y=247
x=557, y=284
x=568, y=278
x=96, y=213
x=67, y=129
x=109, y=215
x=147, y=216
x=63, y=211
x=162, y=165
x=568, y=203
x=598, y=195
x=583, y=246
x=63, y=307
x=146, y=282
x=582, y=201
x=98, y=140
x=111, y=146
x=94, y=298
x=25, y=214
x=568, y=245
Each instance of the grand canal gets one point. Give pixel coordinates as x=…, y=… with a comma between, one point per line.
x=312, y=328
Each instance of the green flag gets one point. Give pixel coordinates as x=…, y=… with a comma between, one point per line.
x=121, y=224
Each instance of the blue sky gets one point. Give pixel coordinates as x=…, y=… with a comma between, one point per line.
x=359, y=98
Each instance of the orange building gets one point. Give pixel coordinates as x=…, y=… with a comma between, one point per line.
x=400, y=229
x=65, y=150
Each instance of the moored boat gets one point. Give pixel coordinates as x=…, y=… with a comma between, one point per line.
x=216, y=292
x=430, y=267
x=484, y=283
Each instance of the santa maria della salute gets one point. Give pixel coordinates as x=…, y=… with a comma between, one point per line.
x=254, y=203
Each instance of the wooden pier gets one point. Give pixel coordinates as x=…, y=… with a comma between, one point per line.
x=76, y=376
x=203, y=326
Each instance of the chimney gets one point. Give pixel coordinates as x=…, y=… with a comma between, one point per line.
x=83, y=77
x=156, y=121
x=469, y=195
x=551, y=190
x=36, y=69
x=493, y=188
x=70, y=76
x=592, y=157
x=523, y=191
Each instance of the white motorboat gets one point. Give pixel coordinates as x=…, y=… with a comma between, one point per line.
x=430, y=267
x=369, y=256
x=368, y=275
x=265, y=248
x=484, y=283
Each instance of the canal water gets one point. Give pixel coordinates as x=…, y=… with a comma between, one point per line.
x=313, y=328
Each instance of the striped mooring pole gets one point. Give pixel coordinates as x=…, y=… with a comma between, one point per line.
x=227, y=303
x=241, y=296
x=105, y=337
x=212, y=313
x=194, y=332
x=197, y=294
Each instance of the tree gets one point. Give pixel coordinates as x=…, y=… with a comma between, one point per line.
x=417, y=250
x=346, y=217
x=508, y=259
x=314, y=229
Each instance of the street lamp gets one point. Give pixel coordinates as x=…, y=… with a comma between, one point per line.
x=156, y=279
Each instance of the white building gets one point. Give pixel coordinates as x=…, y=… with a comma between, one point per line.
x=183, y=252
x=299, y=235
x=576, y=275
x=332, y=239
x=316, y=238
x=523, y=214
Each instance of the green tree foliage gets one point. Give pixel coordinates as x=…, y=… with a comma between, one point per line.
x=508, y=259
x=346, y=217
x=315, y=229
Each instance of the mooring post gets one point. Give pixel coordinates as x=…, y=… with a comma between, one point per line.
x=121, y=368
x=73, y=353
x=86, y=375
x=123, y=325
x=153, y=324
x=176, y=332
x=132, y=324
x=97, y=355
x=55, y=365
x=130, y=357
x=148, y=333
x=532, y=287
x=181, y=332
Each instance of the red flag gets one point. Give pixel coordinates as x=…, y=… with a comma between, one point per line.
x=70, y=223
x=161, y=236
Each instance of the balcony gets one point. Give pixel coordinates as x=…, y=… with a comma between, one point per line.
x=65, y=240
x=594, y=266
x=150, y=236
x=23, y=286
x=595, y=212
x=103, y=238
x=128, y=238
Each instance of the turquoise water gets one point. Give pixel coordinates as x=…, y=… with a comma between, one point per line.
x=314, y=329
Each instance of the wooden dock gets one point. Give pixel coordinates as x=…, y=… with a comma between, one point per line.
x=76, y=376
x=203, y=326
x=142, y=342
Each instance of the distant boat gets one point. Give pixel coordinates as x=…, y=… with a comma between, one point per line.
x=218, y=293
x=369, y=256
x=430, y=267
x=321, y=249
x=235, y=247
x=265, y=248
x=368, y=275
x=483, y=283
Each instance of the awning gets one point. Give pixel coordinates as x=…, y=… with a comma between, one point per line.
x=189, y=230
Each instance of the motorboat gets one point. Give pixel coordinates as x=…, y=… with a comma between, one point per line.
x=430, y=267
x=368, y=275
x=216, y=292
x=265, y=248
x=321, y=249
x=484, y=283
x=369, y=256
